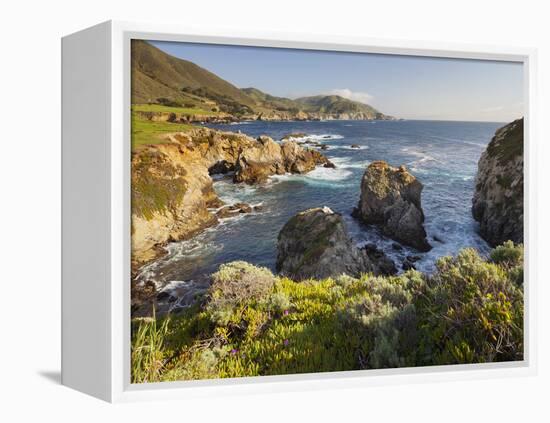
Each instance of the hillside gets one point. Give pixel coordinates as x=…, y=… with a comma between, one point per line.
x=157, y=75
x=334, y=104
x=158, y=78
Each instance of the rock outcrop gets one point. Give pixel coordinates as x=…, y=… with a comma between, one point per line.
x=498, y=198
x=172, y=192
x=390, y=198
x=267, y=158
x=315, y=244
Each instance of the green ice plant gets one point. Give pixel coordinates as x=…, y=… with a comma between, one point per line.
x=251, y=323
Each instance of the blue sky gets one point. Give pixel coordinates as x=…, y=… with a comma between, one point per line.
x=405, y=87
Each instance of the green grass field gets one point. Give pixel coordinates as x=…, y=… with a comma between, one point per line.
x=146, y=132
x=168, y=109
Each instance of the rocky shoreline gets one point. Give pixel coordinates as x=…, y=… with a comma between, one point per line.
x=172, y=189
x=221, y=117
x=313, y=244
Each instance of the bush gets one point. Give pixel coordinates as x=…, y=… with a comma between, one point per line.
x=472, y=311
x=168, y=102
x=279, y=302
x=469, y=310
x=235, y=284
x=508, y=254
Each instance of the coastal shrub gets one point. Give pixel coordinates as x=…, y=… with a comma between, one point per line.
x=470, y=310
x=168, y=102
x=233, y=285
x=279, y=302
x=509, y=254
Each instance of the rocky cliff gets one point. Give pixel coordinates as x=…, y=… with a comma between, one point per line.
x=498, y=199
x=315, y=244
x=390, y=198
x=172, y=193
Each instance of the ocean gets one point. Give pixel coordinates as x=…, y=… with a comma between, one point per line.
x=442, y=155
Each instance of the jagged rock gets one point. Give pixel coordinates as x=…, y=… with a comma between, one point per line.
x=329, y=165
x=315, y=244
x=437, y=238
x=260, y=161
x=172, y=192
x=257, y=163
x=408, y=265
x=294, y=135
x=223, y=167
x=234, y=209
x=497, y=203
x=383, y=265
x=390, y=198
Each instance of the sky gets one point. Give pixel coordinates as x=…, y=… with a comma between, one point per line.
x=402, y=86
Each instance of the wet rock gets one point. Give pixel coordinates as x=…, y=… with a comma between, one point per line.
x=383, y=265
x=407, y=265
x=234, y=209
x=315, y=244
x=294, y=135
x=396, y=246
x=437, y=238
x=355, y=146
x=329, y=165
x=390, y=198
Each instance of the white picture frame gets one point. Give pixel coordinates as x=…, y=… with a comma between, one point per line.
x=96, y=226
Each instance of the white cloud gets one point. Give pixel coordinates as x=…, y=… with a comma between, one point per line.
x=359, y=96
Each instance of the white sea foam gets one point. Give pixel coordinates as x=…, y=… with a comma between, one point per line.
x=318, y=174
x=348, y=163
x=348, y=147
x=231, y=193
x=316, y=137
x=328, y=174
x=423, y=157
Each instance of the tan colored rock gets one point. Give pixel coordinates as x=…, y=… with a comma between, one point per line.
x=390, y=198
x=172, y=193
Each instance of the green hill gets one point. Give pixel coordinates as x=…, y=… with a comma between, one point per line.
x=335, y=104
x=158, y=78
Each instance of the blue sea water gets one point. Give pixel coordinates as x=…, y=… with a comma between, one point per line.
x=442, y=155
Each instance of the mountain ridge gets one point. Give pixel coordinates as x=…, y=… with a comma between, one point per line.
x=159, y=78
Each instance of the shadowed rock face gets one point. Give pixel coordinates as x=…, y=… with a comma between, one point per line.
x=315, y=244
x=498, y=199
x=390, y=198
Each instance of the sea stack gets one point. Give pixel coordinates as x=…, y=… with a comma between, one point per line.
x=315, y=244
x=390, y=198
x=498, y=198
